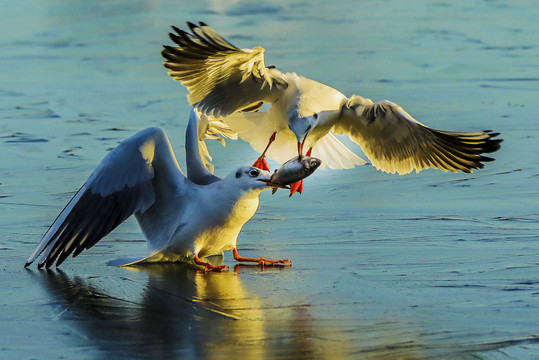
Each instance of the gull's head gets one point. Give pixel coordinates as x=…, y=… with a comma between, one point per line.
x=309, y=104
x=301, y=126
x=250, y=178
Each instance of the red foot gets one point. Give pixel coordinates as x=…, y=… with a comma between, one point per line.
x=261, y=261
x=208, y=266
x=296, y=187
x=261, y=163
x=309, y=152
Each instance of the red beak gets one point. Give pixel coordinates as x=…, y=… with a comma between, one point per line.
x=300, y=146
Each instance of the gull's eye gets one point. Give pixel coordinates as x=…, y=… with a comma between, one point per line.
x=313, y=163
x=315, y=116
x=254, y=172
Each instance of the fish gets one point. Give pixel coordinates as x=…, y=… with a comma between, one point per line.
x=294, y=170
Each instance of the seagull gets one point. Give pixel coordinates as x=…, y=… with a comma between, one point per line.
x=305, y=114
x=182, y=218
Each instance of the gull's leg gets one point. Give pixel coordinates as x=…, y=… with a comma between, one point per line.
x=261, y=163
x=208, y=266
x=261, y=260
x=298, y=186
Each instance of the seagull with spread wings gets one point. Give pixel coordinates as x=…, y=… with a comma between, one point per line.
x=182, y=218
x=306, y=114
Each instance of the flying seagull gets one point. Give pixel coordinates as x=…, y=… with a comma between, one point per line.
x=181, y=218
x=306, y=114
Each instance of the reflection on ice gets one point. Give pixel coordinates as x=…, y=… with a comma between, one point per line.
x=437, y=266
x=180, y=312
x=166, y=317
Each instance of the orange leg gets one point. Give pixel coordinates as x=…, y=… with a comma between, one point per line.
x=261, y=261
x=208, y=266
x=261, y=163
x=297, y=187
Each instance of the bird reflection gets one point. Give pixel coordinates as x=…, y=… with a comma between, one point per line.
x=179, y=312
x=173, y=311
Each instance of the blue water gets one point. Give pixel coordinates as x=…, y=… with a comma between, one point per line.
x=432, y=265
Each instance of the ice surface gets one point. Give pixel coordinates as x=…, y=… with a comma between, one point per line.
x=426, y=266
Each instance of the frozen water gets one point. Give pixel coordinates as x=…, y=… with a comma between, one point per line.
x=424, y=266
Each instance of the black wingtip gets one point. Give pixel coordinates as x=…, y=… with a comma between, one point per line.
x=28, y=264
x=176, y=29
x=492, y=143
x=191, y=25
x=497, y=142
x=168, y=53
x=63, y=256
x=492, y=135
x=173, y=37
x=486, y=159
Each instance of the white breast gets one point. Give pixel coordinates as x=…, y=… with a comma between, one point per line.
x=224, y=233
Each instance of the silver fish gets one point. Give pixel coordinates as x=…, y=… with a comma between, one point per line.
x=294, y=170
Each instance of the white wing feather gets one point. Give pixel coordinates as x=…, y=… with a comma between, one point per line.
x=397, y=143
x=256, y=129
x=139, y=173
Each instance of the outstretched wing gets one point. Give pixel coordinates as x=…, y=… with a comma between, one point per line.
x=397, y=143
x=220, y=77
x=134, y=176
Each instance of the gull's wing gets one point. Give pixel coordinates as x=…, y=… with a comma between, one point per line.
x=139, y=173
x=256, y=129
x=397, y=143
x=220, y=77
x=197, y=155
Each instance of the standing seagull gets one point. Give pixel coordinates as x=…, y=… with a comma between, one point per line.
x=182, y=219
x=306, y=114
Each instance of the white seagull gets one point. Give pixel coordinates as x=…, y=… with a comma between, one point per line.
x=304, y=113
x=182, y=219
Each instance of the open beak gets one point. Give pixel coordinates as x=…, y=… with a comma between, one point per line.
x=273, y=185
